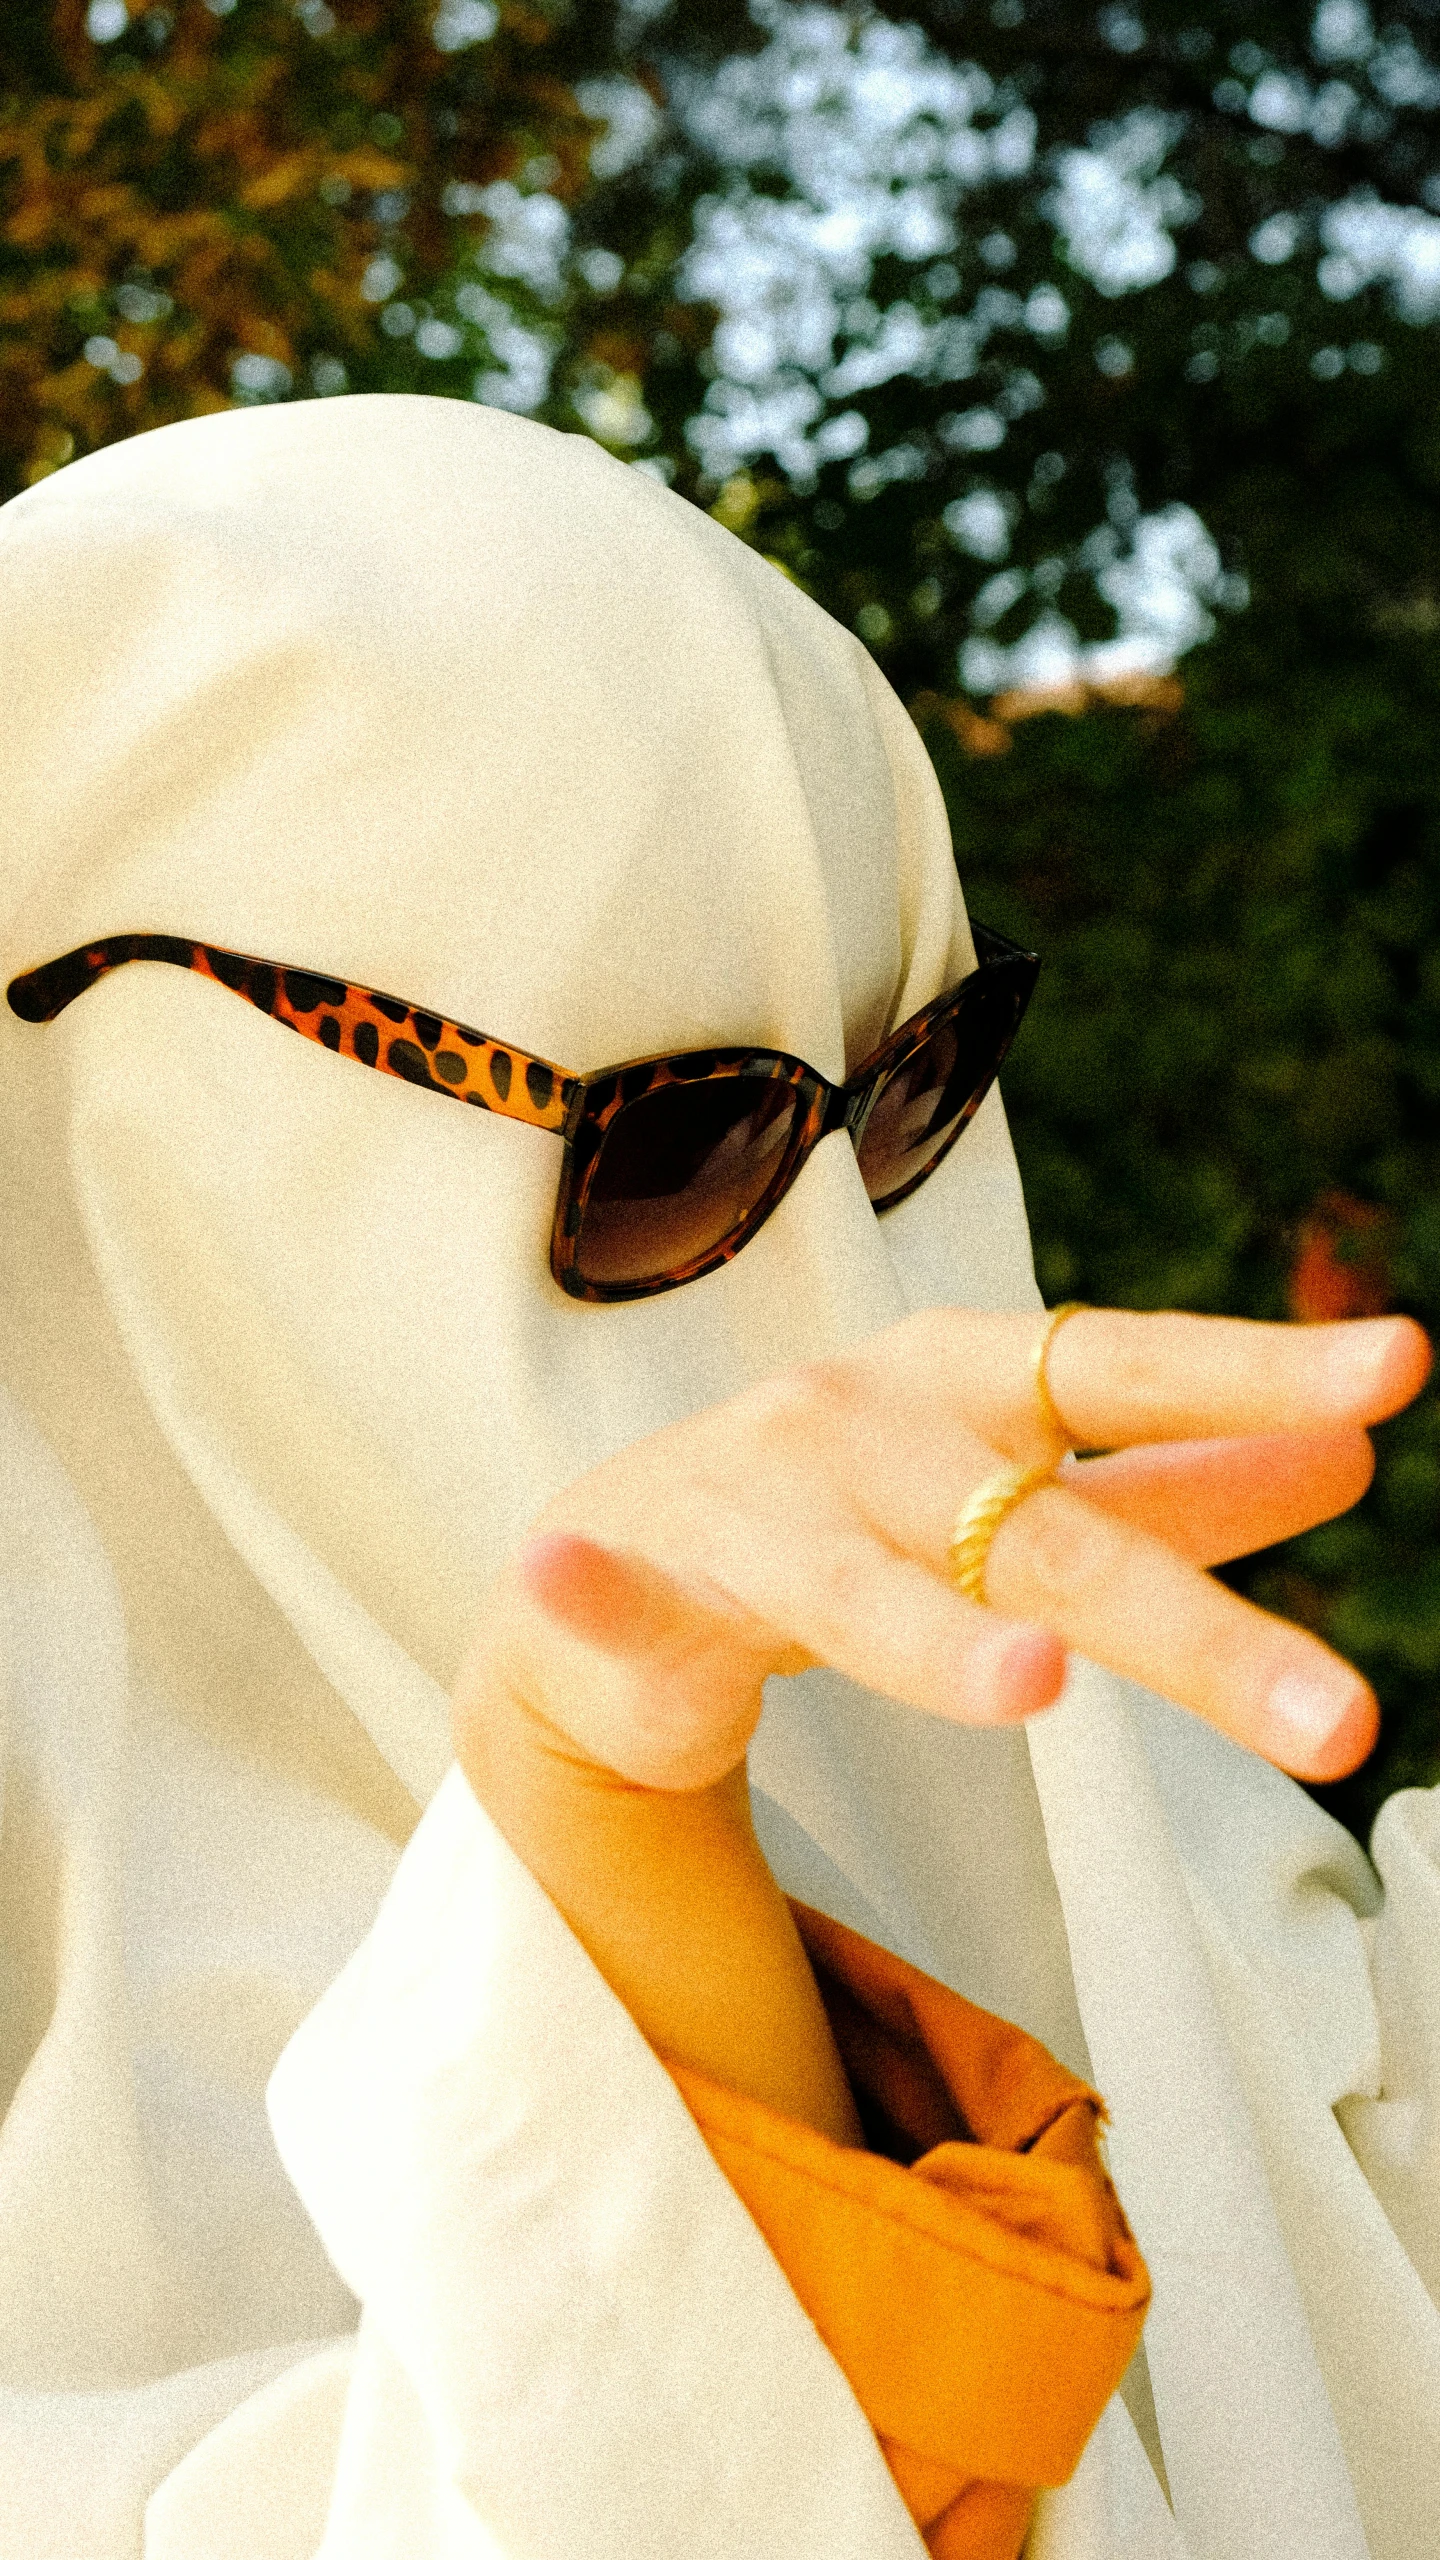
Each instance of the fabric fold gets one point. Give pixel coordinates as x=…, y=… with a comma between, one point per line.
x=506, y=2176
x=983, y=2298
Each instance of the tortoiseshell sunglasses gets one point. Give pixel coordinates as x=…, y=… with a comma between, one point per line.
x=671, y=1163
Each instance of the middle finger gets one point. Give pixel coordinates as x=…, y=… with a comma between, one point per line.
x=1213, y=1500
x=1126, y=1599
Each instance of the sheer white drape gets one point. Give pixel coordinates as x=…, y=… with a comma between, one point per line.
x=435, y=699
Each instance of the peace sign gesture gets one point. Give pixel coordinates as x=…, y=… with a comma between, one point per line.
x=620, y=1666
x=809, y=1520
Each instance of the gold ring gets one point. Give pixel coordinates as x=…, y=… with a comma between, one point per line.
x=980, y=1517
x=1050, y=1413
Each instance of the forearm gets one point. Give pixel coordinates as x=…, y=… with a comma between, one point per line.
x=671, y=1898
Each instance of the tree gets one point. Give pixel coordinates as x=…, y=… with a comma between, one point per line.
x=1008, y=299
x=975, y=318
x=223, y=203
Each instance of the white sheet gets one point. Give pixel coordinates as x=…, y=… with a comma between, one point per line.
x=431, y=697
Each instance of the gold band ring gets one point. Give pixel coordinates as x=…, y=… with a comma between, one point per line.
x=1050, y=1413
x=980, y=1517
x=1003, y=1492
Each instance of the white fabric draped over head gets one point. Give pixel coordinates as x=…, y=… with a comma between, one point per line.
x=433, y=699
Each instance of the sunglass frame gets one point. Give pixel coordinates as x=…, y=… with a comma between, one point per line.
x=463, y=1065
x=823, y=1107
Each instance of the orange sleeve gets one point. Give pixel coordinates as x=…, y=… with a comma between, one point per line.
x=972, y=2273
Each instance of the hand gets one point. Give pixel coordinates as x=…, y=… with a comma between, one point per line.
x=807, y=1521
x=604, y=1713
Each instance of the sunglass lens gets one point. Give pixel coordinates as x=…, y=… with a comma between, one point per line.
x=927, y=1100
x=680, y=1170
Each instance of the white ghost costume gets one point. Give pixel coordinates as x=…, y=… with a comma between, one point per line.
x=344, y=2213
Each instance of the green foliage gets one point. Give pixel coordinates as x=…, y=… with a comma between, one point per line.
x=234, y=200
x=267, y=200
x=1239, y=1016
x=1248, y=351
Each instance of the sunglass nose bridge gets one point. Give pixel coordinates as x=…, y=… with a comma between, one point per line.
x=848, y=1110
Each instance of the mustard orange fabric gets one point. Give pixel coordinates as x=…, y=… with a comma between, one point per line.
x=972, y=2272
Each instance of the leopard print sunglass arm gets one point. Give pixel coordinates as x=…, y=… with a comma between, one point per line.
x=356, y=1022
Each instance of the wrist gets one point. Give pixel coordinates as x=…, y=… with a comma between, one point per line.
x=669, y=1893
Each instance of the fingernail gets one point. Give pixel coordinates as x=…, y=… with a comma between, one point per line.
x=1311, y=1709
x=1028, y=1672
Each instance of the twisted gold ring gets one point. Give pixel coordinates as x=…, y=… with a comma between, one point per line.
x=1001, y=1493
x=990, y=1503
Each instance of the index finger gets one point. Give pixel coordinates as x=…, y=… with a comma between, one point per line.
x=1120, y=1379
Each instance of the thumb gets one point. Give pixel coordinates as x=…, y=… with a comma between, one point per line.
x=652, y=1679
